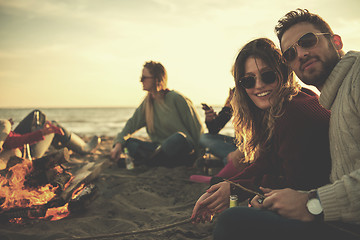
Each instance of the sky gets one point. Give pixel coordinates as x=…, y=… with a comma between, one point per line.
x=90, y=53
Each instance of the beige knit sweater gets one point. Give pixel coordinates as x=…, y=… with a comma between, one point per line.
x=341, y=95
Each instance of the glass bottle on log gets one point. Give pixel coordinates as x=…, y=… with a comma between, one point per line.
x=129, y=161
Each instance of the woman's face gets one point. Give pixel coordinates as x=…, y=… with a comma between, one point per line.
x=148, y=81
x=261, y=92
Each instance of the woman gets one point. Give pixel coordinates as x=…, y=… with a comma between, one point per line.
x=221, y=146
x=171, y=122
x=283, y=130
x=218, y=144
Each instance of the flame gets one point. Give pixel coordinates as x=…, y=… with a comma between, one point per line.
x=57, y=213
x=16, y=194
x=13, y=190
x=78, y=191
x=61, y=212
x=16, y=220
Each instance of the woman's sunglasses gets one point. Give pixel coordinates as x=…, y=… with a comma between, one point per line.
x=143, y=78
x=307, y=41
x=249, y=82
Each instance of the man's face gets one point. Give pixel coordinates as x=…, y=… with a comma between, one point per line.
x=314, y=65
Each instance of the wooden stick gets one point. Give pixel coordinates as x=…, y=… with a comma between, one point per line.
x=122, y=234
x=245, y=189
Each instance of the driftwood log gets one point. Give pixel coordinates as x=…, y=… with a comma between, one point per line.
x=44, y=171
x=85, y=175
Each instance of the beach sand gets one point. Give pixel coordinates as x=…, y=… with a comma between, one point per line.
x=128, y=200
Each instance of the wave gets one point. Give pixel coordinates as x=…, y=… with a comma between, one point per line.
x=91, y=121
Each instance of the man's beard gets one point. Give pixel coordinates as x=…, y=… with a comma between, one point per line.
x=328, y=65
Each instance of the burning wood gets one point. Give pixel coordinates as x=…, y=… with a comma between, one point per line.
x=43, y=189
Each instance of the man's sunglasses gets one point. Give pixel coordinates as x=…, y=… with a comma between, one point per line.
x=307, y=41
x=249, y=81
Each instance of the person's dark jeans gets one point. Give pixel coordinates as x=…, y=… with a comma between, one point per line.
x=134, y=145
x=219, y=145
x=176, y=148
x=34, y=120
x=252, y=223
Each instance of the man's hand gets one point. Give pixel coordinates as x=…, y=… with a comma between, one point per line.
x=256, y=202
x=286, y=202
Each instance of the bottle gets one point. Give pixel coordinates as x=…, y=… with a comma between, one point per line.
x=129, y=161
x=37, y=117
x=26, y=152
x=233, y=201
x=206, y=157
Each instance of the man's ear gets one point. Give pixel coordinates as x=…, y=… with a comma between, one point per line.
x=337, y=42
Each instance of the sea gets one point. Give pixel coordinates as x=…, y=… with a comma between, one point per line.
x=106, y=121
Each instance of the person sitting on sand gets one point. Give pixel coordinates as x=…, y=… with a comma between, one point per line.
x=283, y=130
x=219, y=145
x=171, y=121
x=39, y=133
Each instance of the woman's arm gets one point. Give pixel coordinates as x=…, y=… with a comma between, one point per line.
x=134, y=123
x=216, y=124
x=15, y=140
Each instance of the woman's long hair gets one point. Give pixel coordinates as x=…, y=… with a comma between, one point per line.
x=254, y=127
x=159, y=74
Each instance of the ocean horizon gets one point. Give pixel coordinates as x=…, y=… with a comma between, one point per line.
x=88, y=121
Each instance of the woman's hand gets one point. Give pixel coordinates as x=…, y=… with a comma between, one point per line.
x=220, y=199
x=116, y=152
x=50, y=128
x=201, y=213
x=210, y=114
x=235, y=156
x=228, y=100
x=11, y=121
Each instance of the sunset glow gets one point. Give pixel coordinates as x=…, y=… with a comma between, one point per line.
x=90, y=53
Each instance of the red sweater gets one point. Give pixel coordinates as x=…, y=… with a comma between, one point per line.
x=300, y=156
x=15, y=140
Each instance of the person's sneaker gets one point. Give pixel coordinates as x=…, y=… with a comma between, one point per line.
x=92, y=144
x=200, y=178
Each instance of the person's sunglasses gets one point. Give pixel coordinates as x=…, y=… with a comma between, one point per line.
x=307, y=41
x=143, y=78
x=249, y=81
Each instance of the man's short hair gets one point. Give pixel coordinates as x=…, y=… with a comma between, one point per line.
x=298, y=16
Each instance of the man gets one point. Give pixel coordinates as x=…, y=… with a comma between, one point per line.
x=332, y=211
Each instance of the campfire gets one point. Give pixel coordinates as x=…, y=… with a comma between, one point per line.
x=44, y=189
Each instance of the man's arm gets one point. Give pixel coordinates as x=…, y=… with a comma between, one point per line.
x=286, y=202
